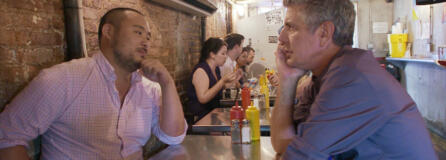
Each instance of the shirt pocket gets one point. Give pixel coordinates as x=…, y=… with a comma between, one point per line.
x=139, y=121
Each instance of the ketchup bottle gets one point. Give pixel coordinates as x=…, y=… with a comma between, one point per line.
x=236, y=112
x=246, y=98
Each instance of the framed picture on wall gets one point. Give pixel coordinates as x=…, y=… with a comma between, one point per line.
x=272, y=39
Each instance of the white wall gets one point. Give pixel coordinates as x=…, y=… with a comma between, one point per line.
x=403, y=8
x=370, y=11
x=256, y=29
x=425, y=82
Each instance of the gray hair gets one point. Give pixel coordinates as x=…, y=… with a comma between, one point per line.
x=340, y=12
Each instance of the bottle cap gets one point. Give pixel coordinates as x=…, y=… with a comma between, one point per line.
x=235, y=122
x=245, y=122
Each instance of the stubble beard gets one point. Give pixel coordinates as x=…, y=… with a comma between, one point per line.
x=126, y=62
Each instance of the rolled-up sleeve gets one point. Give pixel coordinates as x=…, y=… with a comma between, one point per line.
x=156, y=129
x=33, y=110
x=344, y=113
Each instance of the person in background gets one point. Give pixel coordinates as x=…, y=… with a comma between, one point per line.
x=242, y=63
x=102, y=107
x=251, y=55
x=234, y=43
x=352, y=108
x=205, y=90
x=274, y=78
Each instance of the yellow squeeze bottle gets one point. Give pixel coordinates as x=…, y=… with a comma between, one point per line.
x=266, y=93
x=253, y=115
x=262, y=82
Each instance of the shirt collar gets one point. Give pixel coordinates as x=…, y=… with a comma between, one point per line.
x=233, y=63
x=109, y=72
x=318, y=79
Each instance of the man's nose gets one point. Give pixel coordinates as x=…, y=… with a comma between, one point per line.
x=145, y=44
x=283, y=37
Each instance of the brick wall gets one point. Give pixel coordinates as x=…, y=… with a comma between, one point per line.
x=175, y=35
x=31, y=38
x=216, y=24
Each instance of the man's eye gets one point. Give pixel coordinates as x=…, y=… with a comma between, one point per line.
x=289, y=28
x=138, y=32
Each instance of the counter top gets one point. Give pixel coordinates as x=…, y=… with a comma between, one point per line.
x=218, y=120
x=217, y=148
x=400, y=62
x=424, y=60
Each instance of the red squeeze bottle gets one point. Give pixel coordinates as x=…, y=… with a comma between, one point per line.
x=246, y=98
x=236, y=112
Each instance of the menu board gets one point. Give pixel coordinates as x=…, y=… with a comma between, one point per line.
x=274, y=17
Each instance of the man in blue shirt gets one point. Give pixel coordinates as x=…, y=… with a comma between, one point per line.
x=351, y=107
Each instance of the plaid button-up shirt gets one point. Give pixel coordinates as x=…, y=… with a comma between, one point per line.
x=77, y=109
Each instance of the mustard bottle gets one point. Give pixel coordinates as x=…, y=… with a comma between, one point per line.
x=266, y=93
x=262, y=82
x=253, y=115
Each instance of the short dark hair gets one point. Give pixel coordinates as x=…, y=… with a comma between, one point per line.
x=113, y=16
x=234, y=39
x=213, y=44
x=247, y=49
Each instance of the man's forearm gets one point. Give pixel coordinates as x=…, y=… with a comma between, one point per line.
x=16, y=153
x=171, y=111
x=282, y=128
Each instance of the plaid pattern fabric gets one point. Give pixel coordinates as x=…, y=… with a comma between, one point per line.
x=76, y=108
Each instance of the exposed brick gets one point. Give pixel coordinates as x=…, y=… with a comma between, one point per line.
x=23, y=38
x=90, y=13
x=23, y=19
x=7, y=37
x=40, y=21
x=8, y=56
x=39, y=38
x=57, y=22
x=129, y=1
x=31, y=38
x=57, y=6
x=33, y=71
x=92, y=41
x=36, y=37
x=4, y=7
x=28, y=19
x=91, y=26
x=97, y=4
x=5, y=19
x=21, y=4
x=37, y=56
x=11, y=74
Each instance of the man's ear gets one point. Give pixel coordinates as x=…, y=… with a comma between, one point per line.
x=325, y=33
x=108, y=31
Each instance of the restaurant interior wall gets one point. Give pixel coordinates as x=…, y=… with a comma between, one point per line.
x=31, y=38
x=370, y=12
x=257, y=32
x=253, y=26
x=175, y=35
x=425, y=81
x=216, y=23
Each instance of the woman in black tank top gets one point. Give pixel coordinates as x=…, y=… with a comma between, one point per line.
x=206, y=84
